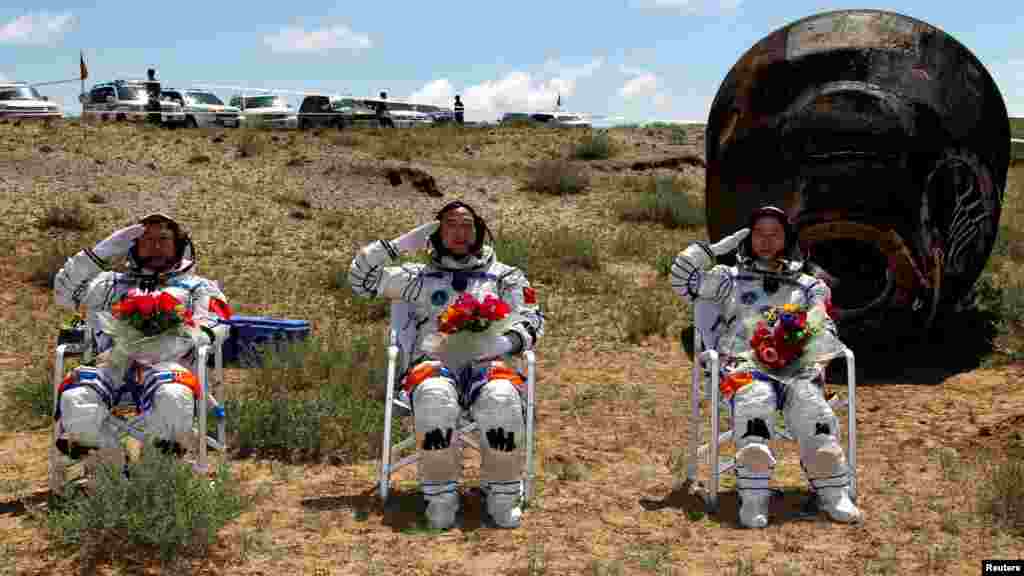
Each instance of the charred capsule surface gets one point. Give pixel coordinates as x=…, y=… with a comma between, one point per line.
x=887, y=143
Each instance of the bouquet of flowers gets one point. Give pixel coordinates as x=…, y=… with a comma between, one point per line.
x=786, y=334
x=147, y=327
x=467, y=327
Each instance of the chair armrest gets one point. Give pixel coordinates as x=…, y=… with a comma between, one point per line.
x=221, y=333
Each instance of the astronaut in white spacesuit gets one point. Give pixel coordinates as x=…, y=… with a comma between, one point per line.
x=492, y=391
x=160, y=257
x=768, y=273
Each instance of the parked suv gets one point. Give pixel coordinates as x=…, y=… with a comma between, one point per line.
x=355, y=112
x=19, y=100
x=203, y=108
x=265, y=110
x=316, y=111
x=126, y=100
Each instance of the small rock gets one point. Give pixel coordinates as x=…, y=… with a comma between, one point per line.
x=45, y=149
x=985, y=431
x=151, y=165
x=217, y=139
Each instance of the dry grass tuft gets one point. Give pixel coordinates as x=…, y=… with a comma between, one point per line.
x=559, y=177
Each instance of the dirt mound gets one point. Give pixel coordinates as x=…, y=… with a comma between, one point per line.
x=419, y=179
x=1009, y=428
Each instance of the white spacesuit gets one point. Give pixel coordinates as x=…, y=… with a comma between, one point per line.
x=165, y=392
x=743, y=292
x=485, y=386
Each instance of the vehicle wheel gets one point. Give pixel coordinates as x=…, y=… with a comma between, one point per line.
x=302, y=124
x=120, y=117
x=190, y=122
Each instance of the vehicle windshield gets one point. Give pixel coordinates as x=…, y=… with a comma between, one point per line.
x=130, y=93
x=568, y=118
x=204, y=98
x=19, y=93
x=262, y=102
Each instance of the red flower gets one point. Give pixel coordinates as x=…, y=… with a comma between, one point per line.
x=768, y=354
x=146, y=304
x=189, y=321
x=493, y=309
x=467, y=304
x=453, y=319
x=123, y=308
x=166, y=302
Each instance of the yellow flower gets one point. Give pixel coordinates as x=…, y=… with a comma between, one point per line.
x=790, y=308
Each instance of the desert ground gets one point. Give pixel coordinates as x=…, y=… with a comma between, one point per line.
x=277, y=216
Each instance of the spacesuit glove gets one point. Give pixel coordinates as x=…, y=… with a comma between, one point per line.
x=119, y=243
x=416, y=239
x=500, y=346
x=729, y=243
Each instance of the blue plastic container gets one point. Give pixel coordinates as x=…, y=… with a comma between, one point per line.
x=253, y=336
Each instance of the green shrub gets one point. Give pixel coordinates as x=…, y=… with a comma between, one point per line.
x=72, y=217
x=30, y=403
x=162, y=506
x=314, y=400
x=594, y=146
x=1001, y=495
x=557, y=177
x=663, y=200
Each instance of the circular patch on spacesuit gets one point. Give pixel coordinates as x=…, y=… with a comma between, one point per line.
x=439, y=297
x=748, y=298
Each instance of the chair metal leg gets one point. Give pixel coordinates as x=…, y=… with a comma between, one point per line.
x=715, y=398
x=57, y=471
x=201, y=356
x=530, y=402
x=695, y=424
x=851, y=419
x=385, y=453
x=220, y=414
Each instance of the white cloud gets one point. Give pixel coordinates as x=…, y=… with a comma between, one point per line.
x=692, y=7
x=39, y=28
x=1009, y=77
x=295, y=39
x=517, y=91
x=645, y=84
x=647, y=87
x=3, y=78
x=437, y=92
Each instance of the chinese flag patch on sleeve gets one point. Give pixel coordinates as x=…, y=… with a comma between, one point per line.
x=529, y=295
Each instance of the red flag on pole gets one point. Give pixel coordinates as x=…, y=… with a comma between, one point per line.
x=84, y=70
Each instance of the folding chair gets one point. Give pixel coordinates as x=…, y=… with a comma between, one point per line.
x=401, y=339
x=77, y=340
x=705, y=316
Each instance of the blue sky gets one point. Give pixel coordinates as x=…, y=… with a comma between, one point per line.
x=637, y=60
